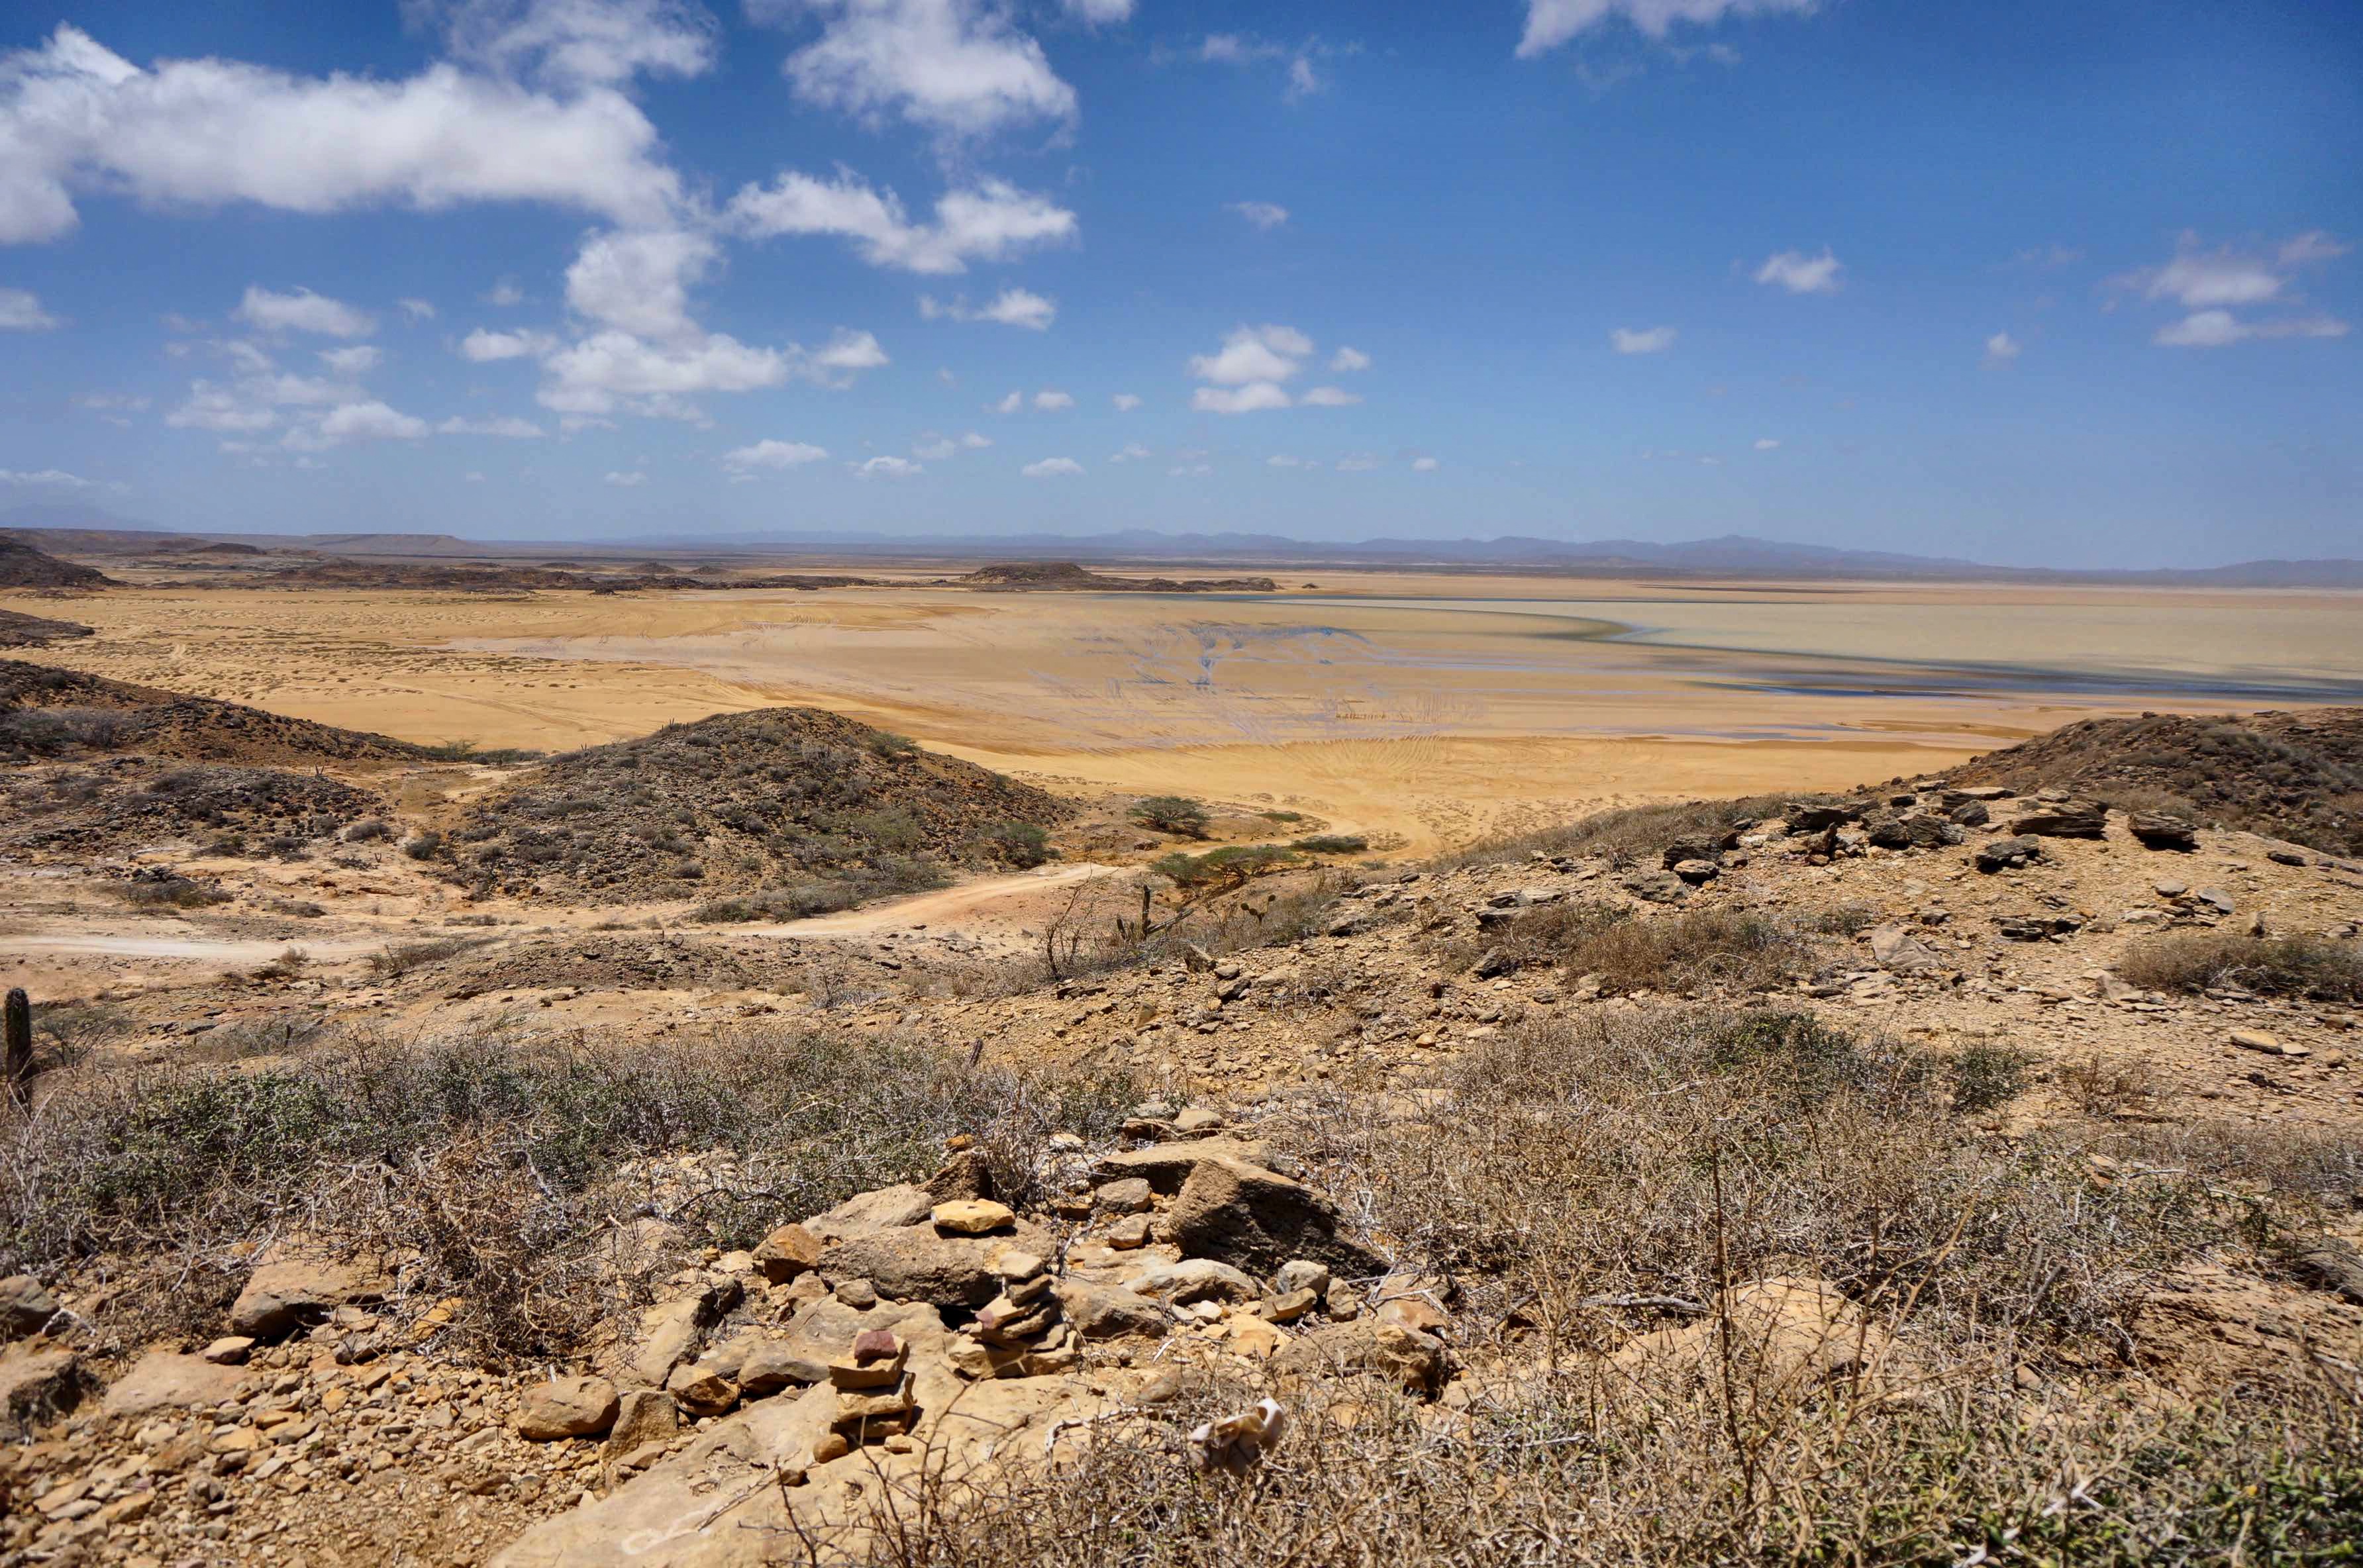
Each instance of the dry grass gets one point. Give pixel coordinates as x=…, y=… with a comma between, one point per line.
x=500, y=1162
x=1632, y=834
x=2313, y=967
x=1690, y=951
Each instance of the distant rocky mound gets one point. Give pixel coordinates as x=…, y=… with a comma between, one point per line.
x=781, y=799
x=226, y=548
x=63, y=714
x=24, y=565
x=1052, y=577
x=2296, y=776
x=17, y=631
x=127, y=802
x=483, y=579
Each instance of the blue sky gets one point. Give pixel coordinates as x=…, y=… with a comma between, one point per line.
x=2067, y=283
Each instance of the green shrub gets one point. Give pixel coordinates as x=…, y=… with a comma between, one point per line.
x=1021, y=844
x=1332, y=843
x=1176, y=814
x=1217, y=870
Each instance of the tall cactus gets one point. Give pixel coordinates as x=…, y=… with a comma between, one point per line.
x=18, y=1031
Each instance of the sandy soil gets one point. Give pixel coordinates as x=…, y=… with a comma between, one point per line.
x=1423, y=710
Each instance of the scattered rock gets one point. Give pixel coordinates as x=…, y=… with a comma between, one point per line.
x=1415, y=1361
x=1897, y=949
x=786, y=1252
x=566, y=1407
x=165, y=1381
x=289, y=1291
x=1244, y=1214
x=2067, y=819
x=2270, y=1044
x=643, y=1416
x=2008, y=853
x=25, y=1306
x=1129, y=1196
x=2154, y=829
x=973, y=1217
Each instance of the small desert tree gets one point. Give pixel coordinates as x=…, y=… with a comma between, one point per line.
x=1177, y=814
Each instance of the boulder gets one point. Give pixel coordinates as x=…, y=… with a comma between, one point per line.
x=1193, y=1280
x=165, y=1381
x=566, y=1407
x=672, y=1331
x=25, y=1306
x=1970, y=815
x=2154, y=829
x=1165, y=1167
x=969, y=1175
x=702, y=1388
x=2069, y=819
x=37, y=1383
x=1803, y=818
x=918, y=1263
x=291, y=1289
x=1899, y=950
x=1259, y=1219
x=642, y=1415
x=1104, y=1312
x=1412, y=1359
x=786, y=1252
x=1656, y=887
x=1913, y=830
x=1697, y=873
x=1129, y=1196
x=887, y=1208
x=2002, y=853
x=971, y=1217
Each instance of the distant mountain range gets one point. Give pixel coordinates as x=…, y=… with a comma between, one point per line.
x=84, y=531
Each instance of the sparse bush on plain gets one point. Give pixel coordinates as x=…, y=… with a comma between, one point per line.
x=170, y=892
x=1219, y=870
x=1176, y=814
x=1021, y=844
x=1685, y=951
x=397, y=959
x=1332, y=843
x=889, y=875
x=2314, y=968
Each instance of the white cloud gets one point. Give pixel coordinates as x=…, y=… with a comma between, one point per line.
x=1052, y=468
x=1263, y=215
x=1133, y=453
x=474, y=478
x=1642, y=340
x=251, y=400
x=2221, y=329
x=57, y=478
x=1100, y=12
x=1253, y=398
x=626, y=481
x=638, y=281
x=991, y=221
x=1550, y=22
x=1302, y=80
x=358, y=360
x=1125, y=402
x=1330, y=397
x=611, y=371
x=1349, y=360
x=1765, y=444
x=773, y=455
x=2207, y=282
x=958, y=68
x=2002, y=349
x=1801, y=274
x=572, y=43
x=1359, y=463
x=1282, y=461
x=371, y=421
x=303, y=310
x=509, y=427
x=416, y=310
x=483, y=347
x=75, y=116
x=934, y=449
x=888, y=467
x=848, y=351
x=1254, y=354
x=1425, y=465
x=504, y=295
x=1050, y=400
x=1011, y=403
x=974, y=442
x=1011, y=307
x=20, y=311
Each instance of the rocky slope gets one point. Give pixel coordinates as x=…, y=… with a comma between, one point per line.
x=24, y=565
x=21, y=630
x=47, y=713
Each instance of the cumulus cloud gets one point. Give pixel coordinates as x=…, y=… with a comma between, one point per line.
x=1765, y=444
x=888, y=467
x=575, y=43
x=1050, y=400
x=1011, y=403
x=2002, y=349
x=1425, y=465
x=1263, y=215
x=773, y=455
x=1550, y=22
x=609, y=372
x=991, y=221
x=2207, y=283
x=1011, y=307
x=1132, y=452
x=1349, y=360
x=1642, y=340
x=958, y=68
x=1247, y=373
x=639, y=281
x=509, y=427
x=1330, y=397
x=20, y=311
x=1801, y=274
x=1301, y=77
x=76, y=117
x=1125, y=402
x=416, y=310
x=357, y=361
x=626, y=481
x=1052, y=468
x=484, y=347
x=2221, y=329
x=371, y=421
x=57, y=478
x=1100, y=12
x=504, y=295
x=303, y=310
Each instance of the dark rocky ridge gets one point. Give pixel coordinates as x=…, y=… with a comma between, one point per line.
x=1054, y=577
x=47, y=713
x=20, y=631
x=22, y=565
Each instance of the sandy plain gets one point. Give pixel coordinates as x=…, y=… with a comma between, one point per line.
x=1425, y=710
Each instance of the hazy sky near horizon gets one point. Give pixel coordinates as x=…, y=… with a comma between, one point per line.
x=2046, y=282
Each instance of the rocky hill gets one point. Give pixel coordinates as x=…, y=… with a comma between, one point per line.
x=47, y=713
x=2297, y=775
x=24, y=565
x=477, y=577
x=1056, y=576
x=20, y=631
x=792, y=802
